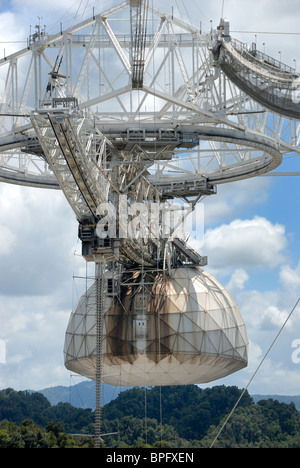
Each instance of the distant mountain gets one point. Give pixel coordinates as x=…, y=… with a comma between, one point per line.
x=81, y=395
x=281, y=398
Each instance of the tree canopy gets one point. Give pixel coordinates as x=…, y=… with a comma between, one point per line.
x=168, y=417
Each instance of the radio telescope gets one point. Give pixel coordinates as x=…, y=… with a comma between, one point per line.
x=134, y=109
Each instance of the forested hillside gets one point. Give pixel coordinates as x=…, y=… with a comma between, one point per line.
x=175, y=417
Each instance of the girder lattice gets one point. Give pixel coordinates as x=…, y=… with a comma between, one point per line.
x=181, y=91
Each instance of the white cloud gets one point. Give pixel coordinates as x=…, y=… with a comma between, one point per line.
x=37, y=291
x=33, y=329
x=7, y=240
x=290, y=278
x=233, y=199
x=237, y=281
x=276, y=316
x=246, y=243
x=12, y=30
x=267, y=310
x=264, y=313
x=254, y=306
x=42, y=229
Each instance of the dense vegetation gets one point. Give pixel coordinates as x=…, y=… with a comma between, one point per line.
x=27, y=420
x=174, y=417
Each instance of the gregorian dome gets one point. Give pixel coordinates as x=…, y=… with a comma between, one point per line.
x=183, y=328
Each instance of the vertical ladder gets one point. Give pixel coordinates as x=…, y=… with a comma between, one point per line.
x=100, y=295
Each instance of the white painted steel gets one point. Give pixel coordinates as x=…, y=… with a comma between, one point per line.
x=181, y=88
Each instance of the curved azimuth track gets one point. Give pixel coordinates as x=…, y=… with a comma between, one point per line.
x=125, y=113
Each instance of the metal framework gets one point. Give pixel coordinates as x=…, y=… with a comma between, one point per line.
x=163, y=114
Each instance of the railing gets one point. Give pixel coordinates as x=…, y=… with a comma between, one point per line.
x=261, y=56
x=125, y=40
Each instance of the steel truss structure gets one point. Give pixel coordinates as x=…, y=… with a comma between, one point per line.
x=161, y=94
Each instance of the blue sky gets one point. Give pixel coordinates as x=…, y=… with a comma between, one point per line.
x=252, y=232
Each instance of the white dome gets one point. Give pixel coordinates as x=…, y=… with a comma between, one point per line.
x=185, y=330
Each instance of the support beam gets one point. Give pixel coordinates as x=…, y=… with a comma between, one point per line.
x=138, y=22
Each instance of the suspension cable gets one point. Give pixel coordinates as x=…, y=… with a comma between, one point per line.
x=254, y=374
